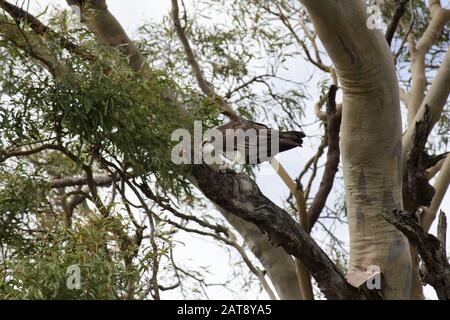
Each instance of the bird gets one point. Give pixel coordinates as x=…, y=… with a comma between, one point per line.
x=246, y=142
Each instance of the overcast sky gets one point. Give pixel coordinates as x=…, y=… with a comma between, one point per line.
x=200, y=251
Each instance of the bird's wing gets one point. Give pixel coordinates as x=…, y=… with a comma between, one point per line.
x=253, y=144
x=257, y=125
x=252, y=140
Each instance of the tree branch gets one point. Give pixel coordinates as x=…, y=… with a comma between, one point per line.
x=331, y=167
x=370, y=138
x=441, y=186
x=108, y=29
x=31, y=45
x=417, y=190
x=231, y=241
x=437, y=268
x=274, y=260
x=237, y=193
x=297, y=191
x=42, y=29
x=398, y=13
x=418, y=52
x=99, y=181
x=22, y=153
x=198, y=73
x=435, y=99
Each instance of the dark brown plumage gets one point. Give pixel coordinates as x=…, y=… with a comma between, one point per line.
x=253, y=142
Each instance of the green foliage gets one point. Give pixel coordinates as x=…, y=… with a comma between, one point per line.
x=97, y=106
x=94, y=109
x=242, y=58
x=19, y=196
x=92, y=246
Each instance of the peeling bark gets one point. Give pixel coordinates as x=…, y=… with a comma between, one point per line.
x=436, y=98
x=436, y=271
x=417, y=191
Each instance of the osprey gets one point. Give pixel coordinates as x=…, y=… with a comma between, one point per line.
x=246, y=142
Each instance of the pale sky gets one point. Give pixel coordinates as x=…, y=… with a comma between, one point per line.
x=199, y=251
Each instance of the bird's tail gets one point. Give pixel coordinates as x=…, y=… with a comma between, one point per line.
x=294, y=136
x=291, y=139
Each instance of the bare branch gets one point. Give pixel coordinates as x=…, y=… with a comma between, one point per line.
x=232, y=242
x=442, y=231
x=441, y=186
x=203, y=84
x=285, y=20
x=331, y=167
x=437, y=268
x=418, y=52
x=435, y=99
x=148, y=193
x=432, y=171
x=313, y=159
x=297, y=191
x=417, y=191
x=22, y=153
x=400, y=8
x=100, y=181
x=237, y=193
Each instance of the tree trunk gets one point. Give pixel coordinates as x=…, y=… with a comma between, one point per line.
x=370, y=139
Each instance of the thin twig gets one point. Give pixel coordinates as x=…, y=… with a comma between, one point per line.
x=198, y=73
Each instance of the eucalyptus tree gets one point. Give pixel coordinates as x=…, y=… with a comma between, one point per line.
x=87, y=116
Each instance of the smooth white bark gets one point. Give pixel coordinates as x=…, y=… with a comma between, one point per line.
x=370, y=139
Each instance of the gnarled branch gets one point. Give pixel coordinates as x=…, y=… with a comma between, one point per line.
x=417, y=191
x=239, y=194
x=437, y=269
